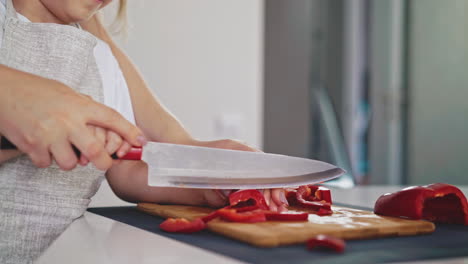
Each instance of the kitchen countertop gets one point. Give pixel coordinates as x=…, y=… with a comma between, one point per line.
x=96, y=239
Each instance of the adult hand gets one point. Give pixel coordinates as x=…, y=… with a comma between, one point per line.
x=275, y=198
x=112, y=142
x=43, y=118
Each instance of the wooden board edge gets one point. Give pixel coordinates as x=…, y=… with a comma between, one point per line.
x=273, y=241
x=264, y=242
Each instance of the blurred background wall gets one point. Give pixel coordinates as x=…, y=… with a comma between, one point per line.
x=204, y=60
x=437, y=60
x=377, y=87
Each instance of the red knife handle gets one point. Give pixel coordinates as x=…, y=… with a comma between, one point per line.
x=135, y=153
x=6, y=144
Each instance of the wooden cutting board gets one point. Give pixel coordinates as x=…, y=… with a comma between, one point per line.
x=345, y=223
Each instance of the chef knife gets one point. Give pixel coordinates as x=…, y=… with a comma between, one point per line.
x=172, y=165
x=200, y=167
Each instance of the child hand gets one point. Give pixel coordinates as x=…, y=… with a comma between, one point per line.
x=275, y=198
x=216, y=198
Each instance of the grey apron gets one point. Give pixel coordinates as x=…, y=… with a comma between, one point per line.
x=36, y=205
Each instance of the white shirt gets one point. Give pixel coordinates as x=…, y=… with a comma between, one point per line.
x=115, y=89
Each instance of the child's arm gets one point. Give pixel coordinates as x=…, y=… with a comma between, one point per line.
x=129, y=181
x=159, y=125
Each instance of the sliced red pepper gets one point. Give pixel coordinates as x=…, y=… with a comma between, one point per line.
x=215, y=214
x=249, y=197
x=304, y=192
x=250, y=205
x=245, y=208
x=245, y=217
x=289, y=216
x=323, y=194
x=316, y=206
x=210, y=216
x=316, y=193
x=182, y=225
x=439, y=202
x=329, y=242
x=324, y=211
x=291, y=196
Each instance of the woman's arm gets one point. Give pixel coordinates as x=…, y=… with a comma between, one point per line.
x=40, y=117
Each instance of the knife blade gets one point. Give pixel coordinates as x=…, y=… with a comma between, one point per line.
x=172, y=165
x=184, y=166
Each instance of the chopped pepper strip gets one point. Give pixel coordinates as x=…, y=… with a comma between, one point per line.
x=245, y=217
x=323, y=194
x=210, y=216
x=269, y=215
x=329, y=242
x=245, y=208
x=289, y=216
x=324, y=211
x=316, y=193
x=439, y=202
x=303, y=191
x=247, y=198
x=303, y=194
x=250, y=205
x=291, y=196
x=182, y=225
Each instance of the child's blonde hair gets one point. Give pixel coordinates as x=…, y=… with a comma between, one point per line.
x=120, y=22
x=122, y=11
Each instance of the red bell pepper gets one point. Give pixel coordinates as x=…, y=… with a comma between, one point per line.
x=324, y=241
x=244, y=207
x=310, y=193
x=216, y=214
x=250, y=205
x=245, y=217
x=323, y=194
x=306, y=197
x=210, y=216
x=317, y=193
x=324, y=211
x=182, y=225
x=252, y=198
x=291, y=196
x=289, y=216
x=439, y=202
